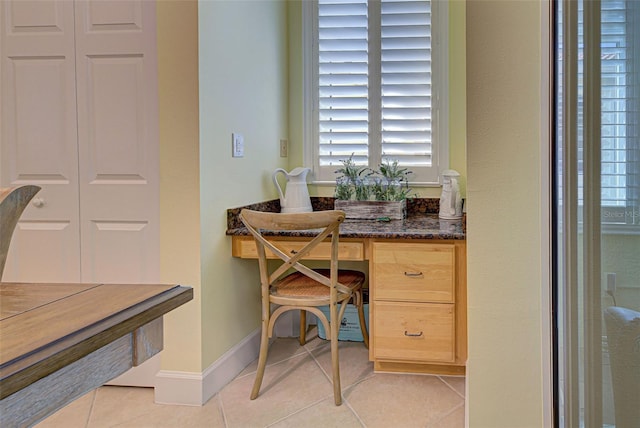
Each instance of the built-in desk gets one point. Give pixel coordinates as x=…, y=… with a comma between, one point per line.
x=417, y=283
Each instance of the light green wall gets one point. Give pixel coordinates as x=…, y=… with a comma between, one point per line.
x=296, y=95
x=222, y=69
x=457, y=95
x=505, y=283
x=243, y=88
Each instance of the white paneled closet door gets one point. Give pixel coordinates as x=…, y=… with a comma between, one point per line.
x=39, y=141
x=118, y=140
x=79, y=118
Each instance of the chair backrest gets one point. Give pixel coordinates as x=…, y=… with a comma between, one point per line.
x=321, y=224
x=13, y=201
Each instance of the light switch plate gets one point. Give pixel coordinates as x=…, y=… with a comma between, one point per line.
x=237, y=145
x=284, y=148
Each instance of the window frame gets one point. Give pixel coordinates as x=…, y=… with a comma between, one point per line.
x=440, y=99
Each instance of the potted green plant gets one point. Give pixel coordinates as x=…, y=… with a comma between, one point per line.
x=364, y=193
x=353, y=183
x=392, y=182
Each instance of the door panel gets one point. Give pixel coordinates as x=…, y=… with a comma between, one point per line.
x=118, y=148
x=78, y=117
x=115, y=153
x=118, y=141
x=48, y=22
x=133, y=263
x=39, y=138
x=39, y=248
x=114, y=16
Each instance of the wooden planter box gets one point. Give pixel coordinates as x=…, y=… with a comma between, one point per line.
x=372, y=210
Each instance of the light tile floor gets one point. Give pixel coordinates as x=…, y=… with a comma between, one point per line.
x=296, y=392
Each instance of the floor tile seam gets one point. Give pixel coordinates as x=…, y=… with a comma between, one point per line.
x=444, y=415
x=345, y=401
x=452, y=388
x=221, y=409
x=330, y=376
x=359, y=381
x=372, y=375
x=306, y=354
x=345, y=398
x=301, y=409
x=121, y=423
x=344, y=389
x=323, y=344
x=90, y=412
x=304, y=349
x=127, y=421
x=130, y=419
x=300, y=354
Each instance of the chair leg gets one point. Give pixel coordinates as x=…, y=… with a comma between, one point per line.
x=262, y=359
x=303, y=327
x=335, y=364
x=363, y=324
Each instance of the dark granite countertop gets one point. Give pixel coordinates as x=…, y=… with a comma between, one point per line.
x=422, y=222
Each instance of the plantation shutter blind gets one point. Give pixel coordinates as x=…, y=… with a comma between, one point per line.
x=406, y=82
x=400, y=125
x=343, y=80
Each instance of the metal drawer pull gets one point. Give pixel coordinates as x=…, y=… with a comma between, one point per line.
x=413, y=274
x=406, y=333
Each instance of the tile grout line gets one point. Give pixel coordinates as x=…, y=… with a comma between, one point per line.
x=268, y=365
x=93, y=400
x=297, y=411
x=221, y=408
x=329, y=378
x=310, y=354
x=301, y=354
x=452, y=388
x=344, y=399
x=441, y=418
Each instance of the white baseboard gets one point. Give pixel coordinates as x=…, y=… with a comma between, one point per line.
x=181, y=388
x=195, y=389
x=143, y=375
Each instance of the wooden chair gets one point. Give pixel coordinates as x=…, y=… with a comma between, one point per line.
x=13, y=201
x=304, y=288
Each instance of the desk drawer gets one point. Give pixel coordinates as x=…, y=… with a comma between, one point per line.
x=422, y=332
x=418, y=272
x=245, y=248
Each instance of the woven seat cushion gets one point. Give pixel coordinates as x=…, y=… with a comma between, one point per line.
x=299, y=285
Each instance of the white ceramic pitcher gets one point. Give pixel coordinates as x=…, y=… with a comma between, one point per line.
x=296, y=196
x=450, y=199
